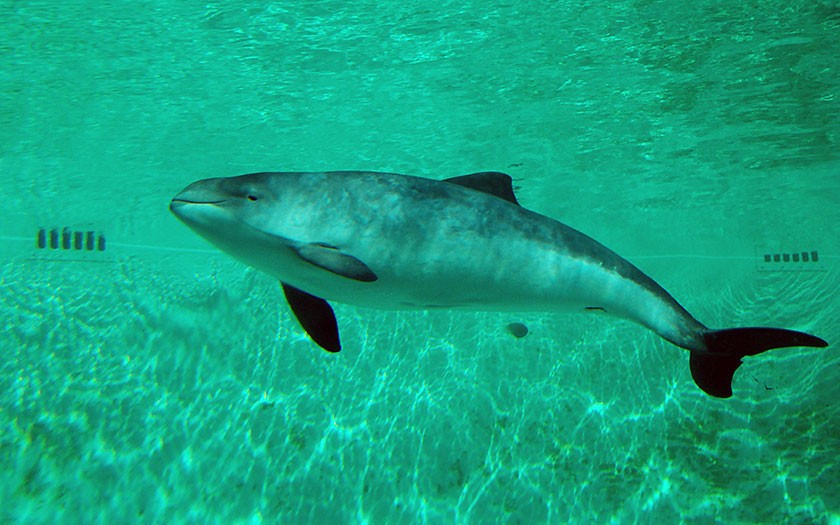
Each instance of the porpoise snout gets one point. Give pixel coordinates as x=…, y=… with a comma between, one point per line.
x=205, y=191
x=188, y=204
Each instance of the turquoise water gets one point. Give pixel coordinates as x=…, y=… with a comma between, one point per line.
x=159, y=381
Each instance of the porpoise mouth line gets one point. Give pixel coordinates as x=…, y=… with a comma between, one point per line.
x=186, y=201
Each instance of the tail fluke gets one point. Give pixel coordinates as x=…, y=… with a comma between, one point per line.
x=713, y=371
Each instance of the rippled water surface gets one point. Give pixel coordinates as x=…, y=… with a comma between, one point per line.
x=153, y=379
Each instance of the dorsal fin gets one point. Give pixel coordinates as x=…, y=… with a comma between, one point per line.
x=493, y=182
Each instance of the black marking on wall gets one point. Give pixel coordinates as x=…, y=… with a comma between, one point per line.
x=67, y=239
x=812, y=256
x=800, y=261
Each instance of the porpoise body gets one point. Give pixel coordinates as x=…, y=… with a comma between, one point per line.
x=391, y=241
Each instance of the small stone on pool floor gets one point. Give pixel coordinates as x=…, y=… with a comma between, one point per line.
x=518, y=330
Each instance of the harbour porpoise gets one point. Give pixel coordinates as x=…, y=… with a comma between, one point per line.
x=390, y=241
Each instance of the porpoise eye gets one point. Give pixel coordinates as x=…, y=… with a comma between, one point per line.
x=252, y=197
